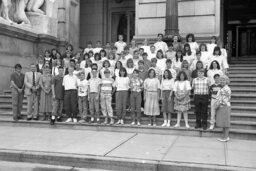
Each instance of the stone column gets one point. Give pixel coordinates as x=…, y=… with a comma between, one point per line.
x=171, y=21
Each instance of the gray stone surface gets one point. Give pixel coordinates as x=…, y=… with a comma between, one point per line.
x=112, y=147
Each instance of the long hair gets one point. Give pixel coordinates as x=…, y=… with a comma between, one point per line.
x=176, y=56
x=179, y=74
x=185, y=52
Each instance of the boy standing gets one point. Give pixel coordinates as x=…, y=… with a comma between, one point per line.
x=214, y=88
x=106, y=97
x=93, y=96
x=17, y=85
x=57, y=95
x=201, y=90
x=82, y=84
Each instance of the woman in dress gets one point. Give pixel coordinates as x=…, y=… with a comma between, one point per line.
x=151, y=97
x=223, y=108
x=182, y=100
x=46, y=93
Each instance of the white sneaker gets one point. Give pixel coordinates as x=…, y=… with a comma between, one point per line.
x=138, y=123
x=164, y=124
x=142, y=109
x=168, y=124
x=122, y=121
x=92, y=119
x=69, y=120
x=211, y=127
x=118, y=122
x=187, y=126
x=53, y=117
x=177, y=125
x=133, y=123
x=154, y=124
x=222, y=140
x=75, y=120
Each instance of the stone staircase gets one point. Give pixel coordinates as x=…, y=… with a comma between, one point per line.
x=243, y=115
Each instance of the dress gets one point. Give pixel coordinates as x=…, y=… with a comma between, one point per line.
x=223, y=112
x=151, y=107
x=46, y=99
x=181, y=88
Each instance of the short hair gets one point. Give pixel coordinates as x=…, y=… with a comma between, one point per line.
x=136, y=51
x=18, y=66
x=94, y=65
x=123, y=70
x=190, y=35
x=145, y=54
x=179, y=74
x=198, y=53
x=201, y=70
x=104, y=62
x=150, y=70
x=126, y=48
x=137, y=71
x=169, y=74
x=168, y=61
x=60, y=67
x=141, y=62
x=105, y=53
x=201, y=45
x=111, y=53
x=226, y=78
x=215, y=38
x=218, y=65
x=216, y=75
x=153, y=60
x=72, y=60
x=159, y=51
x=160, y=34
x=71, y=46
x=183, y=62
x=199, y=62
x=141, y=49
x=97, y=54
x=217, y=48
x=152, y=46
x=86, y=64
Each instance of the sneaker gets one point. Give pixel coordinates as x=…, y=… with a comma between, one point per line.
x=228, y=139
x=106, y=121
x=187, y=126
x=122, y=122
x=92, y=119
x=154, y=124
x=138, y=123
x=177, y=126
x=168, y=124
x=118, y=122
x=211, y=127
x=111, y=121
x=133, y=123
x=222, y=140
x=164, y=124
x=149, y=124
x=75, y=120
x=98, y=121
x=69, y=120
x=142, y=109
x=82, y=121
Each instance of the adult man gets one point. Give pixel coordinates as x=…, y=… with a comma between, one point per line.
x=17, y=86
x=70, y=95
x=32, y=86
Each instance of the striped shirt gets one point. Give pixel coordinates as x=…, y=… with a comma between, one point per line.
x=106, y=85
x=201, y=86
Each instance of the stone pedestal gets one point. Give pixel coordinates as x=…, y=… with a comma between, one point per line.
x=43, y=24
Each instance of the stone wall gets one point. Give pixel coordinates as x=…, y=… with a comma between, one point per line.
x=195, y=16
x=20, y=46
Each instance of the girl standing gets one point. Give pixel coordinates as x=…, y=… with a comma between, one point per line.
x=182, y=100
x=106, y=66
x=167, y=98
x=118, y=66
x=97, y=60
x=214, y=69
x=112, y=61
x=46, y=93
x=212, y=44
x=122, y=87
x=151, y=97
x=205, y=55
x=130, y=67
x=161, y=61
x=190, y=38
x=177, y=61
x=185, y=68
x=187, y=54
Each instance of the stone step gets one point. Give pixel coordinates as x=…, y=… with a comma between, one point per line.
x=234, y=132
x=240, y=75
x=237, y=89
x=243, y=96
x=245, y=125
x=239, y=71
x=244, y=80
x=243, y=117
x=242, y=84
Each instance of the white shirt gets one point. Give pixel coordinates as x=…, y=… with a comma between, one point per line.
x=161, y=63
x=210, y=47
x=70, y=82
x=82, y=64
x=146, y=49
x=205, y=58
x=55, y=71
x=221, y=60
x=181, y=85
x=128, y=56
x=120, y=46
x=173, y=72
x=167, y=84
x=82, y=87
x=151, y=55
x=193, y=46
x=122, y=83
x=211, y=73
x=97, y=50
x=161, y=45
x=86, y=50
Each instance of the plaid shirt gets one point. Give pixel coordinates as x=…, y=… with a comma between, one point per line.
x=136, y=84
x=201, y=86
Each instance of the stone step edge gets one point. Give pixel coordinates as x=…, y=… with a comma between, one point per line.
x=107, y=162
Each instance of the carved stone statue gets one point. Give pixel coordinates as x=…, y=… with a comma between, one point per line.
x=35, y=5
x=19, y=14
x=4, y=10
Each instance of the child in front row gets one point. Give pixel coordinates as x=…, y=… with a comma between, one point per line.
x=214, y=88
x=82, y=84
x=106, y=97
x=94, y=96
x=136, y=85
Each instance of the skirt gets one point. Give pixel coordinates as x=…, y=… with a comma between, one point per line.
x=151, y=107
x=182, y=105
x=45, y=102
x=167, y=105
x=223, y=116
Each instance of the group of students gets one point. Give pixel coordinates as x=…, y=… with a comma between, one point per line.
x=152, y=79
